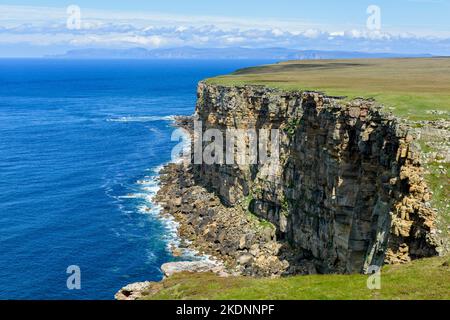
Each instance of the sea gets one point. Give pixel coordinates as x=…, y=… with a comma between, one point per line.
x=81, y=145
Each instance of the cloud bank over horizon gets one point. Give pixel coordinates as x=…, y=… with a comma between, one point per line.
x=37, y=31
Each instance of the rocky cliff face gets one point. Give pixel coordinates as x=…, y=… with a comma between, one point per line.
x=348, y=191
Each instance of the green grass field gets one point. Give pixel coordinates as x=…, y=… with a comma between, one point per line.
x=409, y=87
x=421, y=279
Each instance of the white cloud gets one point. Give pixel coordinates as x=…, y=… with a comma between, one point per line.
x=312, y=33
x=277, y=32
x=181, y=29
x=47, y=27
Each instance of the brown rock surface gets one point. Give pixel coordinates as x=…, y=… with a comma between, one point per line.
x=348, y=192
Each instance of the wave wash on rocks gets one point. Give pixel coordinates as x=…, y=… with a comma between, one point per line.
x=348, y=191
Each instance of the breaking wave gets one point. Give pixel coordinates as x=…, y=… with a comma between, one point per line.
x=142, y=119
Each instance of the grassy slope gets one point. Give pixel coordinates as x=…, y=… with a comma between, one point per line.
x=409, y=86
x=439, y=182
x=421, y=279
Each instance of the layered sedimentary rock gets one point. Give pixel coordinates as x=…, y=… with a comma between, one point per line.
x=348, y=191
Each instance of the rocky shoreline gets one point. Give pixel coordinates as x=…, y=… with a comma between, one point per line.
x=138, y=290
x=235, y=241
x=244, y=243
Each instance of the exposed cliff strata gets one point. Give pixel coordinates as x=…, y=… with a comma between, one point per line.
x=244, y=243
x=348, y=192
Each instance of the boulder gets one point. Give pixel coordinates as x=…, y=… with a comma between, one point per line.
x=171, y=268
x=133, y=291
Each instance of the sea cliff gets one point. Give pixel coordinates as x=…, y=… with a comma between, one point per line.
x=347, y=194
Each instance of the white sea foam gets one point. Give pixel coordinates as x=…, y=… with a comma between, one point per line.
x=157, y=169
x=186, y=148
x=152, y=189
x=141, y=119
x=133, y=196
x=148, y=188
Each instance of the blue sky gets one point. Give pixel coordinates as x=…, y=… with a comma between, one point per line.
x=39, y=27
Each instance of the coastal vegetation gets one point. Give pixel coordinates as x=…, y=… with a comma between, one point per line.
x=414, y=88
x=420, y=279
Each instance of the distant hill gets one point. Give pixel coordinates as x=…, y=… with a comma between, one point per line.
x=223, y=53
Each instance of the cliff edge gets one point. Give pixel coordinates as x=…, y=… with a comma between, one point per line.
x=350, y=190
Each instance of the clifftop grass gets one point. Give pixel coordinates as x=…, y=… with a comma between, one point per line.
x=421, y=279
x=411, y=88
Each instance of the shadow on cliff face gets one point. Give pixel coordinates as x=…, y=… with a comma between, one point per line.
x=339, y=180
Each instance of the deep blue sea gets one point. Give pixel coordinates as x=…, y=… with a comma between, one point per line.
x=80, y=146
